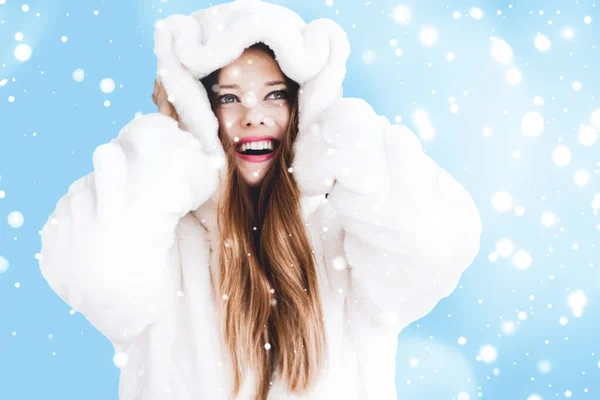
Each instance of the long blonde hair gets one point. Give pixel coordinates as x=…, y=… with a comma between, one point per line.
x=267, y=268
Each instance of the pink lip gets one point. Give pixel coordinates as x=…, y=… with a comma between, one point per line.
x=258, y=158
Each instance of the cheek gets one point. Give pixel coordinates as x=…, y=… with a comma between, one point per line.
x=281, y=116
x=227, y=119
x=227, y=115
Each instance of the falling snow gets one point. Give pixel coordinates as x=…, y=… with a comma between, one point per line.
x=502, y=95
x=15, y=219
x=22, y=52
x=78, y=75
x=107, y=85
x=3, y=265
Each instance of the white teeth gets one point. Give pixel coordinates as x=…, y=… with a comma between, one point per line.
x=260, y=145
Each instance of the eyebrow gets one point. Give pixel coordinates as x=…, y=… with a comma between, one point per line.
x=271, y=83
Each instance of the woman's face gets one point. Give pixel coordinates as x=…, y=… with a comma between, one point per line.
x=253, y=111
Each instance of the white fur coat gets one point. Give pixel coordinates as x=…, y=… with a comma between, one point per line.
x=131, y=245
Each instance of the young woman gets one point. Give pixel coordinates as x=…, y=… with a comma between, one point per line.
x=259, y=237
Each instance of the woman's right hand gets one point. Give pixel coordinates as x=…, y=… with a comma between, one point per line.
x=160, y=98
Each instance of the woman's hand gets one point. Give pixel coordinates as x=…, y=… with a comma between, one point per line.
x=165, y=107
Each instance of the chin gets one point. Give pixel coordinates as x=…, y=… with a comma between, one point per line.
x=252, y=180
x=247, y=174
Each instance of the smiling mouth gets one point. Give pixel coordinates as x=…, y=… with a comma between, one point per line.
x=258, y=156
x=254, y=152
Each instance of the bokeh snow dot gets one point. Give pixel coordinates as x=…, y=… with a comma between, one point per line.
x=15, y=219
x=249, y=99
x=19, y=36
x=505, y=247
x=542, y=43
x=544, y=366
x=23, y=52
x=519, y=211
x=428, y=36
x=581, y=177
x=508, y=327
x=3, y=265
x=502, y=202
x=402, y=14
x=476, y=13
x=561, y=155
x=488, y=354
x=532, y=123
x=567, y=33
x=120, y=359
x=513, y=76
x=577, y=301
x=368, y=57
x=423, y=123
x=78, y=75
x=463, y=396
x=548, y=219
x=587, y=135
x=107, y=85
x=576, y=86
x=339, y=263
x=522, y=259
x=596, y=202
x=501, y=51
x=595, y=118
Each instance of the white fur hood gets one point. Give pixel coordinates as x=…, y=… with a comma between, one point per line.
x=189, y=48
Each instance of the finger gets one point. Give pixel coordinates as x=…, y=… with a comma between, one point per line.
x=160, y=96
x=155, y=90
x=164, y=107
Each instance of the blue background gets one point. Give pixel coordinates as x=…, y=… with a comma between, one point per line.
x=48, y=135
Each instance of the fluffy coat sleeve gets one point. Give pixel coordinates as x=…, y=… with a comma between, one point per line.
x=108, y=249
x=409, y=228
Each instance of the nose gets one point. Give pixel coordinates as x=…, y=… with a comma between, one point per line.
x=254, y=117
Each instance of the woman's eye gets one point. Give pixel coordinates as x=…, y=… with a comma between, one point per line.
x=279, y=94
x=224, y=99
